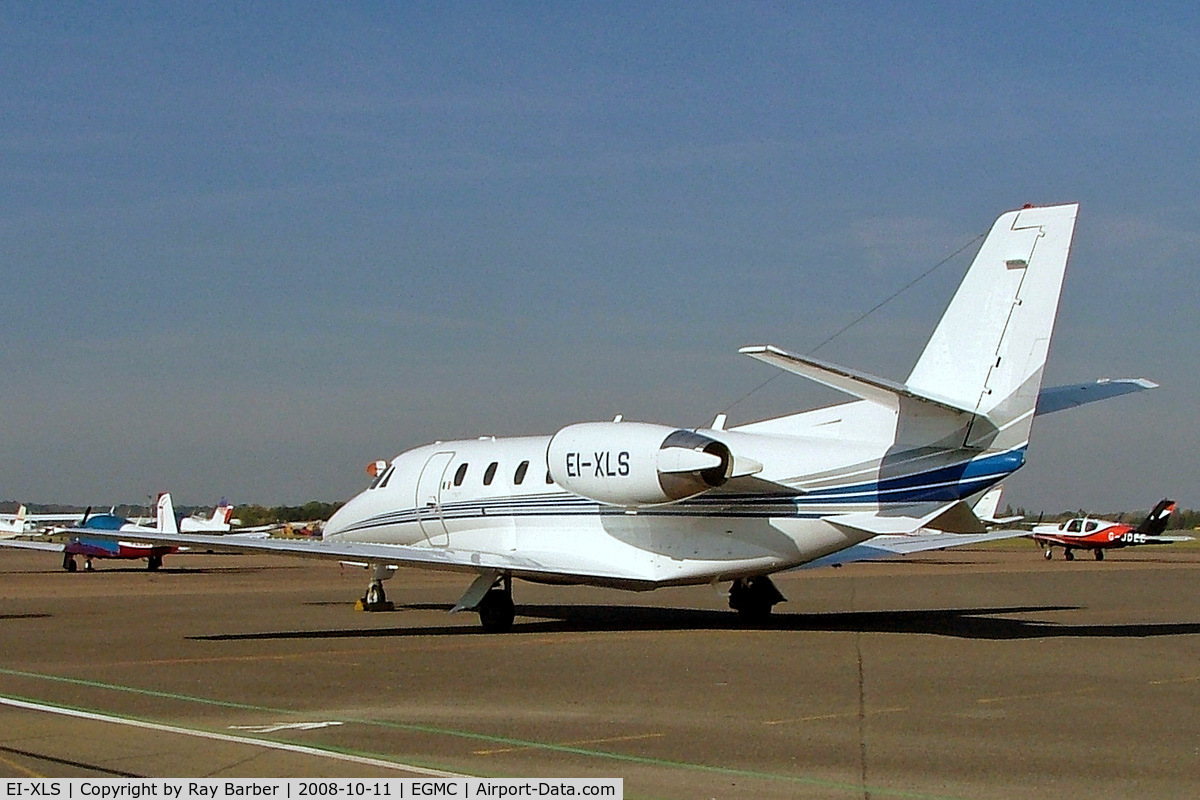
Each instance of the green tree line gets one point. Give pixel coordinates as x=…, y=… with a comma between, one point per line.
x=254, y=515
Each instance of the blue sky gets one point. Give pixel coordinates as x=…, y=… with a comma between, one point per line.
x=249, y=248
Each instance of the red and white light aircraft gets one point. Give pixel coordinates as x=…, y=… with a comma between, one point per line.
x=635, y=505
x=1098, y=535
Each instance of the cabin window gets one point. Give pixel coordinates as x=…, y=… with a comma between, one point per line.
x=1091, y=526
x=462, y=473
x=387, y=476
x=489, y=473
x=519, y=476
x=1075, y=526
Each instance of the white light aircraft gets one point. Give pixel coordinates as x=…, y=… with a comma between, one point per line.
x=219, y=522
x=11, y=526
x=634, y=505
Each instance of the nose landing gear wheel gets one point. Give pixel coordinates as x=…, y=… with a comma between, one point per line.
x=1049, y=554
x=375, y=599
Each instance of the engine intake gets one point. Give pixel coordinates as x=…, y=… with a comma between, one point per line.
x=635, y=464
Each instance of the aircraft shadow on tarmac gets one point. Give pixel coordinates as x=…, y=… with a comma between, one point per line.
x=964, y=623
x=68, y=763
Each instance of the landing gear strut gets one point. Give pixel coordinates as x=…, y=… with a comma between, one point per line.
x=753, y=597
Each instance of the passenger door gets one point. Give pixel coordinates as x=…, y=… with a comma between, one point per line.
x=428, y=499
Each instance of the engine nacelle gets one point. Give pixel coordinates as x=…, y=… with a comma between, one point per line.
x=634, y=464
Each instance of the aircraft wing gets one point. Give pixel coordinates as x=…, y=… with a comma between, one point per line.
x=21, y=544
x=883, y=547
x=444, y=558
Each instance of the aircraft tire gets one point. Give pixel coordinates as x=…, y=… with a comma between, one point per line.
x=1049, y=554
x=754, y=614
x=153, y=563
x=496, y=611
x=375, y=595
x=753, y=598
x=1068, y=555
x=69, y=563
x=1099, y=555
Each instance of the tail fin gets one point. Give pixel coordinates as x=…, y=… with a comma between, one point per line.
x=988, y=352
x=222, y=513
x=20, y=518
x=1156, y=523
x=166, y=514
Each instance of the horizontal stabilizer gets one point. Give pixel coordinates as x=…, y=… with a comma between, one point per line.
x=852, y=382
x=884, y=547
x=1060, y=398
x=892, y=521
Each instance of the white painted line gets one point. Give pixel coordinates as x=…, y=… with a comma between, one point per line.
x=284, y=726
x=224, y=737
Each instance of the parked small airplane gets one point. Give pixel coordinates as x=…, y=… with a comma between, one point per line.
x=218, y=522
x=1098, y=535
x=11, y=526
x=89, y=539
x=635, y=505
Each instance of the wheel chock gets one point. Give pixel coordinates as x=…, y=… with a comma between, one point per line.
x=362, y=605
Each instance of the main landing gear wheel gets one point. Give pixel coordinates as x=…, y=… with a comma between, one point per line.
x=1099, y=555
x=1068, y=555
x=69, y=563
x=753, y=598
x=496, y=609
x=153, y=563
x=1049, y=554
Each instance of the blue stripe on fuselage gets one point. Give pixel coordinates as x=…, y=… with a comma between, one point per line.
x=942, y=484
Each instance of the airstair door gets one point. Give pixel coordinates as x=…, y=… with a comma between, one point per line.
x=428, y=499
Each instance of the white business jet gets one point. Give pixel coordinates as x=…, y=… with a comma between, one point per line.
x=635, y=505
